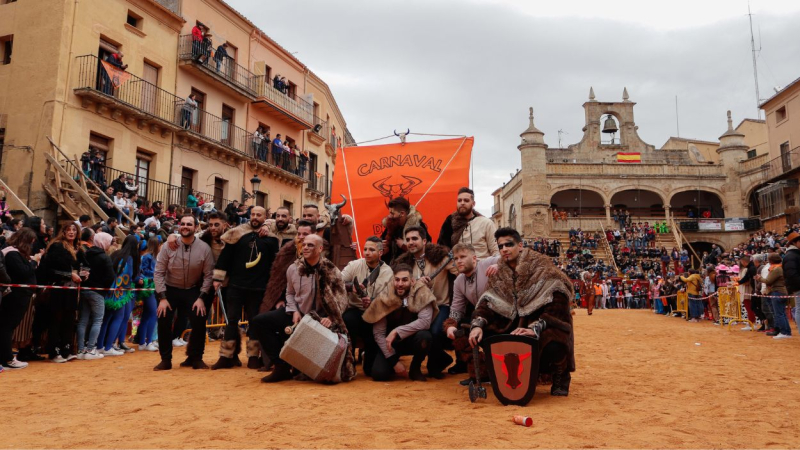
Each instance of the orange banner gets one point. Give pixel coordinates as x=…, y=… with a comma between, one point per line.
x=428, y=174
x=118, y=76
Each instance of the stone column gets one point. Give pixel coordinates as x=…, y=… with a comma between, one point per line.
x=666, y=212
x=608, y=215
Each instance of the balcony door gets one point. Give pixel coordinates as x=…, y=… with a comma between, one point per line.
x=786, y=157
x=142, y=173
x=187, y=184
x=219, y=192
x=149, y=88
x=227, y=125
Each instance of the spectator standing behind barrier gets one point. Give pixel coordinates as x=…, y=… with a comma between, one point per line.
x=693, y=286
x=791, y=270
x=92, y=306
x=776, y=284
x=710, y=287
x=19, y=266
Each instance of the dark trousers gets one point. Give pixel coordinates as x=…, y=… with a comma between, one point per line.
x=756, y=304
x=63, y=307
x=416, y=345
x=237, y=299
x=269, y=328
x=359, y=330
x=12, y=309
x=181, y=301
x=779, y=310
x=439, y=359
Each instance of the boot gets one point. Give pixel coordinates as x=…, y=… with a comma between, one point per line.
x=415, y=374
x=254, y=362
x=560, y=386
x=224, y=363
x=458, y=367
x=281, y=372
x=198, y=364
x=187, y=362
x=163, y=365
x=443, y=361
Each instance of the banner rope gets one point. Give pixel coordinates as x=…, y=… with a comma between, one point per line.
x=442, y=172
x=352, y=202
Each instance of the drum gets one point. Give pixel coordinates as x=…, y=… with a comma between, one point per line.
x=315, y=351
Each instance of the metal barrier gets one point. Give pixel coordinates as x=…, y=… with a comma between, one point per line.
x=216, y=319
x=730, y=306
x=682, y=303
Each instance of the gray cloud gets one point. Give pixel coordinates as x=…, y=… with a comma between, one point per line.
x=455, y=67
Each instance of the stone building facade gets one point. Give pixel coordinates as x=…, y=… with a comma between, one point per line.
x=676, y=182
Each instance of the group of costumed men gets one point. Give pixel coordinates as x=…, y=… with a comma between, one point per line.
x=406, y=296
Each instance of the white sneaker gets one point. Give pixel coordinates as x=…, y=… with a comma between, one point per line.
x=142, y=347
x=178, y=342
x=94, y=354
x=151, y=347
x=70, y=357
x=80, y=354
x=747, y=328
x=58, y=359
x=782, y=336
x=14, y=364
x=112, y=352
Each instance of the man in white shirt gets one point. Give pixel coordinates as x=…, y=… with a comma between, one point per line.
x=468, y=226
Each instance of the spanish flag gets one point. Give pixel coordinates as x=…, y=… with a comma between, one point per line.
x=629, y=157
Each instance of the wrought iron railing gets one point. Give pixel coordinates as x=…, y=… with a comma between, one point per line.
x=133, y=92
x=219, y=130
x=323, y=127
x=203, y=55
x=782, y=164
x=291, y=103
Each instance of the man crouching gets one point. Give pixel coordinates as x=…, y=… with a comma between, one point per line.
x=406, y=313
x=529, y=296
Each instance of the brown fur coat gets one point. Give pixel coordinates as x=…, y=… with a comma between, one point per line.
x=419, y=297
x=276, y=286
x=540, y=291
x=331, y=291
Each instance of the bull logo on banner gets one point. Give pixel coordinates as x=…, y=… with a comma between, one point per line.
x=428, y=174
x=513, y=363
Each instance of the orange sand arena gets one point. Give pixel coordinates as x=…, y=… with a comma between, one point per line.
x=643, y=381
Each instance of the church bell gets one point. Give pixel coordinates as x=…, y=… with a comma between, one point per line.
x=610, y=126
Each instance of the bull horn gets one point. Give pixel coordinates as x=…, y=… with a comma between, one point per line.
x=408, y=131
x=341, y=205
x=395, y=133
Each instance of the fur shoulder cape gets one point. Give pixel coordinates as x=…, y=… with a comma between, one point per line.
x=434, y=253
x=233, y=235
x=419, y=297
x=272, y=226
x=453, y=227
x=531, y=287
x=276, y=286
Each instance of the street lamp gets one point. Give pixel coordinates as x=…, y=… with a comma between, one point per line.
x=256, y=183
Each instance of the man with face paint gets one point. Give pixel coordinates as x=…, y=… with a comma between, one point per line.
x=247, y=262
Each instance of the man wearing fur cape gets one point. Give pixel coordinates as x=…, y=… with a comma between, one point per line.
x=402, y=216
x=281, y=226
x=246, y=260
x=401, y=322
x=275, y=295
x=529, y=296
x=313, y=283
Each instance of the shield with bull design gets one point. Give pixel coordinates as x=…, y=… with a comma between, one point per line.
x=513, y=363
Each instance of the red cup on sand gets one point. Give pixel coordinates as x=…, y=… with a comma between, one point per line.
x=525, y=421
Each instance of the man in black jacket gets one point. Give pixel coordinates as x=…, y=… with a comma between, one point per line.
x=791, y=269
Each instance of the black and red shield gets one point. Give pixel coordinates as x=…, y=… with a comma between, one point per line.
x=513, y=363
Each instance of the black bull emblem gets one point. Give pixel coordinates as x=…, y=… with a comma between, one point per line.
x=513, y=367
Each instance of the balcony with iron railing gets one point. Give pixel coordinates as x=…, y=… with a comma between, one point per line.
x=285, y=106
x=205, y=129
x=134, y=98
x=200, y=56
x=777, y=167
x=284, y=166
x=317, y=134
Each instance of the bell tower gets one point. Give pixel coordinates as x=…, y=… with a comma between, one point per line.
x=535, y=195
x=602, y=119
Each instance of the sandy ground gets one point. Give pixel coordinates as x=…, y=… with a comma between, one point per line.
x=643, y=381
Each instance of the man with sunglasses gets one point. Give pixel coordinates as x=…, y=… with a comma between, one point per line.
x=183, y=284
x=246, y=262
x=529, y=296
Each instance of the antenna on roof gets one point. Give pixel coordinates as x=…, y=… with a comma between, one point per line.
x=755, y=64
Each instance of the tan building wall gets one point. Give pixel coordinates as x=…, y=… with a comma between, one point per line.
x=755, y=135
x=327, y=142
x=783, y=128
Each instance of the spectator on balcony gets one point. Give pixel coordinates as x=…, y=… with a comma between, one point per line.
x=302, y=163
x=284, y=86
x=191, y=203
x=197, y=41
x=97, y=165
x=277, y=149
x=188, y=110
x=130, y=186
x=220, y=55
x=207, y=45
x=122, y=205
x=258, y=148
x=232, y=212
x=115, y=59
x=86, y=163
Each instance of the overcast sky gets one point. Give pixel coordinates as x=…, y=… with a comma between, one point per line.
x=475, y=66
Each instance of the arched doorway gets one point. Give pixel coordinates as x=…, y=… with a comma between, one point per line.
x=697, y=204
x=638, y=203
x=578, y=203
x=512, y=217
